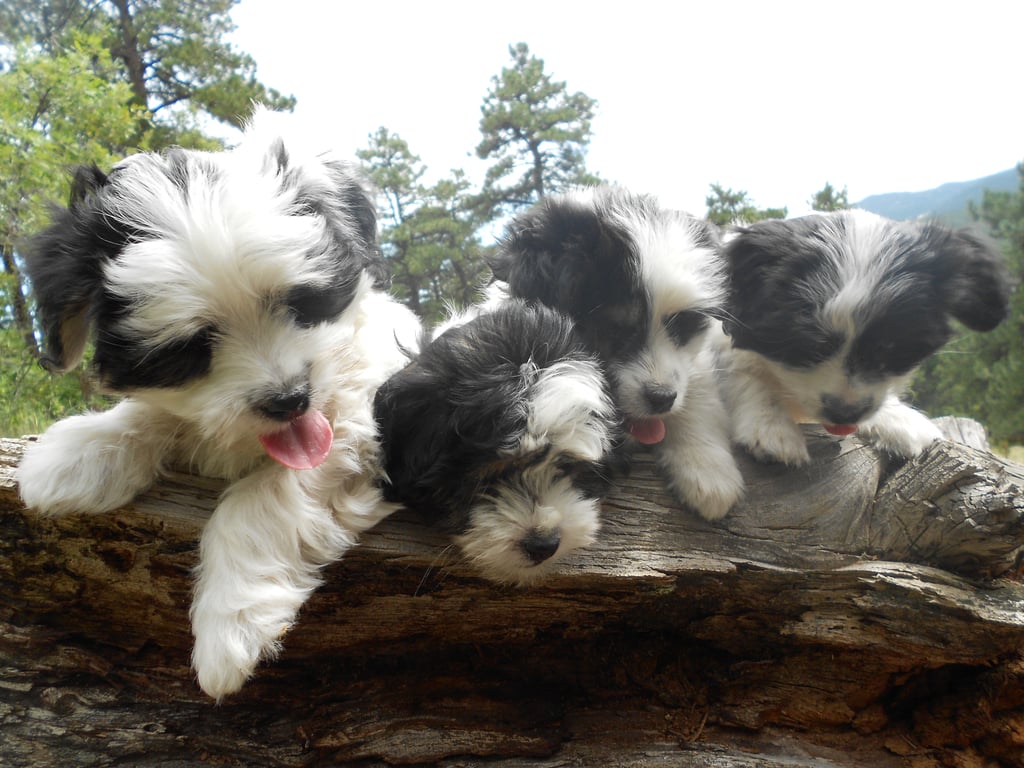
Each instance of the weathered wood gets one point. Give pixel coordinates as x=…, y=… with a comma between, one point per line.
x=849, y=613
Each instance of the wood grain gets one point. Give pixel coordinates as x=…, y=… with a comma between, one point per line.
x=850, y=613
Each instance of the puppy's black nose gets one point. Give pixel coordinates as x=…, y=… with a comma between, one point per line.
x=839, y=411
x=659, y=398
x=540, y=545
x=286, y=405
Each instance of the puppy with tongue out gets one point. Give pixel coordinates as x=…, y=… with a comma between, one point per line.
x=303, y=443
x=648, y=431
x=236, y=303
x=831, y=314
x=643, y=285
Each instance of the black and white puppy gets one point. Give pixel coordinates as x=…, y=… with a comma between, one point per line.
x=830, y=316
x=643, y=285
x=501, y=430
x=233, y=299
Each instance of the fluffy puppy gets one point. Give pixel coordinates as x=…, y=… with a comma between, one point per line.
x=830, y=316
x=643, y=285
x=501, y=430
x=233, y=300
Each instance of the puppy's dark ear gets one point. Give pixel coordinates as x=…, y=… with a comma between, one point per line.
x=356, y=196
x=555, y=253
x=751, y=254
x=64, y=263
x=405, y=407
x=977, y=282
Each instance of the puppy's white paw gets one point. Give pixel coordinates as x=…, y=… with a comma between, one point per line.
x=775, y=441
x=711, y=487
x=901, y=431
x=228, y=648
x=80, y=464
x=716, y=493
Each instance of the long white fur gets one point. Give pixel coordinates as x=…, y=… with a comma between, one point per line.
x=223, y=255
x=695, y=455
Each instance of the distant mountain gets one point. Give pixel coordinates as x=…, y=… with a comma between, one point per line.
x=948, y=202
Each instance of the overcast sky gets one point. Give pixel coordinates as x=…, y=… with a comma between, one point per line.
x=775, y=98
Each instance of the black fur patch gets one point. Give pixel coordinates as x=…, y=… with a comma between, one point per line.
x=65, y=262
x=448, y=420
x=575, y=258
x=783, y=273
x=780, y=280
x=683, y=326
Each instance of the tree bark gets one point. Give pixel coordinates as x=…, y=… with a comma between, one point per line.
x=127, y=49
x=19, y=305
x=850, y=613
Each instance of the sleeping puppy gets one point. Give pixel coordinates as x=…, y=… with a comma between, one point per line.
x=643, y=285
x=501, y=430
x=831, y=314
x=235, y=301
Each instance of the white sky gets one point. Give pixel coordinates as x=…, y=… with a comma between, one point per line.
x=774, y=98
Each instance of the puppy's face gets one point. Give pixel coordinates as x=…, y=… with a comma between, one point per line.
x=841, y=308
x=216, y=286
x=501, y=429
x=640, y=282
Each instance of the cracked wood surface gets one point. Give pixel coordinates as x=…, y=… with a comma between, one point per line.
x=848, y=613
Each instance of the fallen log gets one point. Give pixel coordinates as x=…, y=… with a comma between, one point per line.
x=849, y=613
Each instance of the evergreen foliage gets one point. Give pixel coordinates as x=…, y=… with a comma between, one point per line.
x=534, y=132
x=828, y=199
x=428, y=233
x=173, y=54
x=729, y=208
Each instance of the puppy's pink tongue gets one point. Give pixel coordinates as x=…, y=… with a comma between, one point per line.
x=840, y=430
x=303, y=444
x=648, y=431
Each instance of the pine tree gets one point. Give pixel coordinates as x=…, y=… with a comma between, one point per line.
x=427, y=232
x=173, y=54
x=729, y=208
x=535, y=132
x=828, y=199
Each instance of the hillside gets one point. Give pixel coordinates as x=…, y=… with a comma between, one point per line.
x=948, y=201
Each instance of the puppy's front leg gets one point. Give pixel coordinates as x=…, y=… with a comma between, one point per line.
x=899, y=430
x=95, y=462
x=696, y=455
x=259, y=559
x=759, y=421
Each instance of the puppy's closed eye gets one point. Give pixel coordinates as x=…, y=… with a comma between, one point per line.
x=312, y=305
x=592, y=478
x=683, y=326
x=126, y=364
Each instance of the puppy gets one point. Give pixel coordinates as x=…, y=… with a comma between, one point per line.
x=830, y=316
x=501, y=430
x=234, y=300
x=643, y=285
